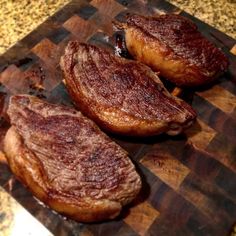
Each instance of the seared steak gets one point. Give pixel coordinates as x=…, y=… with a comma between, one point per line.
x=67, y=162
x=122, y=96
x=172, y=45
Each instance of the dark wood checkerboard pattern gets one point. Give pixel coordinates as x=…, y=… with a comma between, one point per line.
x=189, y=181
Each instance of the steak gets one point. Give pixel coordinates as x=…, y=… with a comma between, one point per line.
x=67, y=162
x=121, y=96
x=172, y=45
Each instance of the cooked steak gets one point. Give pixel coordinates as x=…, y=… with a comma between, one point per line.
x=122, y=96
x=172, y=45
x=67, y=162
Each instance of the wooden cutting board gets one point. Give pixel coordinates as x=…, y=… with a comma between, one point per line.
x=189, y=181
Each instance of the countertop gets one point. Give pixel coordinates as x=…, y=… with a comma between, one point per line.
x=19, y=17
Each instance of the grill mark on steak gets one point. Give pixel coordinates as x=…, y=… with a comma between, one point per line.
x=100, y=79
x=78, y=162
x=181, y=35
x=173, y=45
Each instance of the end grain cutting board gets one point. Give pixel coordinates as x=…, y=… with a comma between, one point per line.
x=189, y=181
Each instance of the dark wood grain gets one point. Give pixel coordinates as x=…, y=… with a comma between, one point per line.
x=189, y=181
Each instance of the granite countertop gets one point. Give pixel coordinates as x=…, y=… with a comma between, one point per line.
x=21, y=17
x=13, y=216
x=219, y=13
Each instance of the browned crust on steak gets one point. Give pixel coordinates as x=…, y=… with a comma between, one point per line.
x=172, y=45
x=67, y=162
x=121, y=95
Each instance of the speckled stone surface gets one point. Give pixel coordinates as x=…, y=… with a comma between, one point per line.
x=219, y=13
x=19, y=17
